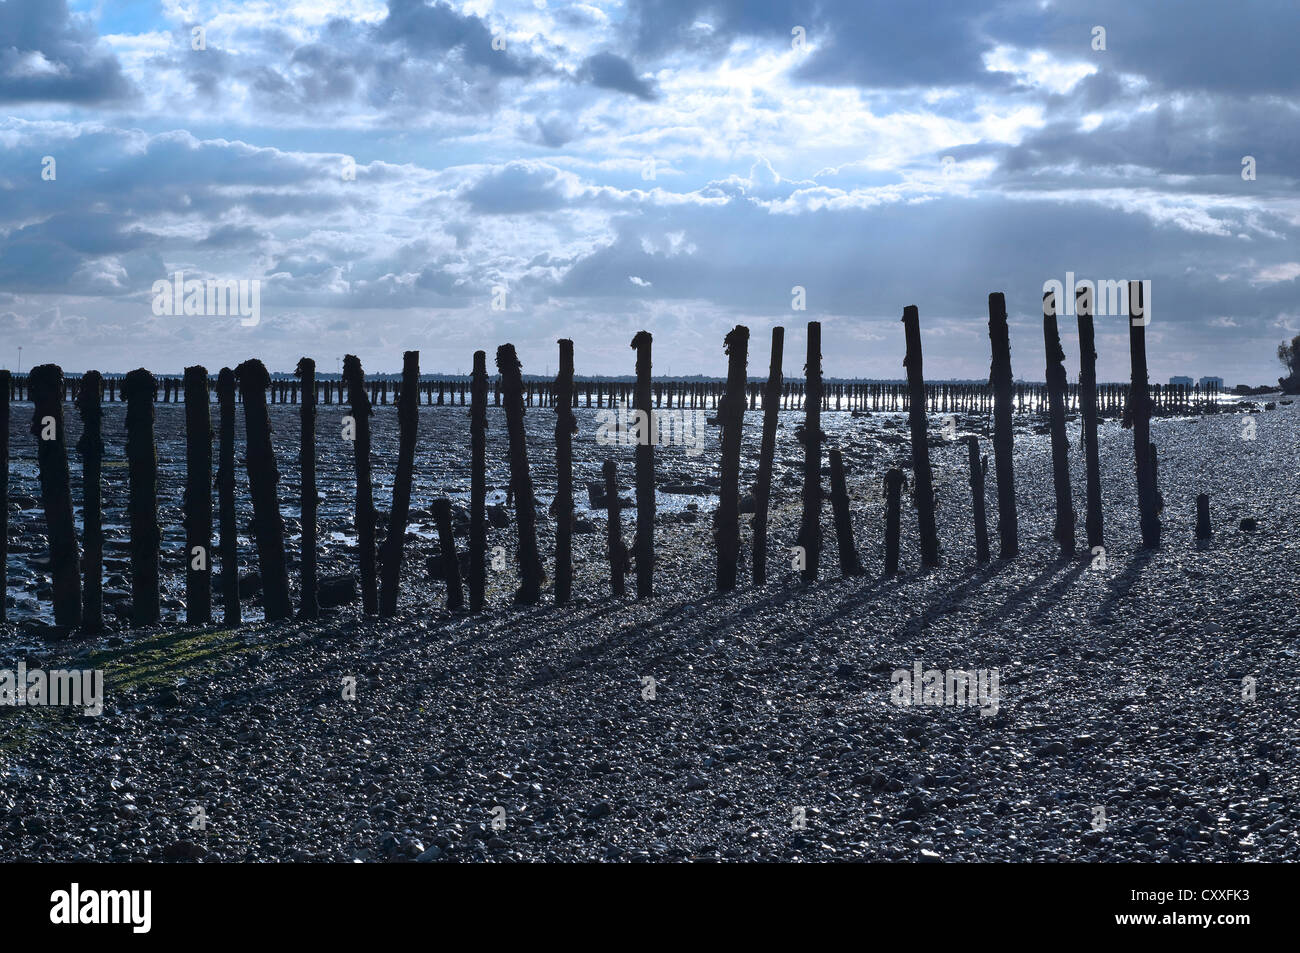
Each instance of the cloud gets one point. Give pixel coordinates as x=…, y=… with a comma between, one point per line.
x=609, y=71
x=47, y=55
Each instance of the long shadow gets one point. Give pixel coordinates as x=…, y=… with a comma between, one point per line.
x=1122, y=584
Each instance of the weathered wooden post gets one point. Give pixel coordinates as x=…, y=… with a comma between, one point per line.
x=566, y=425
x=922, y=476
x=357, y=426
x=308, y=597
x=450, y=560
x=731, y=416
x=408, y=421
x=268, y=526
x=763, y=485
x=1140, y=399
x=894, y=482
x=139, y=388
x=231, y=612
x=979, y=468
x=530, y=562
x=810, y=527
x=45, y=385
x=850, y=564
x=1088, y=405
x=1203, y=530
x=615, y=548
x=478, y=482
x=1056, y=384
x=5, y=384
x=198, y=497
x=644, y=545
x=1003, y=434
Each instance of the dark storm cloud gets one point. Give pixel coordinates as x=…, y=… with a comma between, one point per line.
x=46, y=55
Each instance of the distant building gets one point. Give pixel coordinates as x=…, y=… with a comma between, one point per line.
x=1180, y=382
x=1208, y=382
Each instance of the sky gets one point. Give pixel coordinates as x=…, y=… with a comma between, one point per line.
x=447, y=177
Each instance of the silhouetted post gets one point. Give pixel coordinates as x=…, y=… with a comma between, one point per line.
x=731, y=415
x=91, y=448
x=810, y=527
x=1088, y=406
x=5, y=383
x=531, y=576
x=979, y=467
x=850, y=565
x=308, y=600
x=268, y=527
x=1003, y=435
x=198, y=497
x=45, y=385
x=408, y=421
x=617, y=551
x=922, y=477
x=1203, y=530
x=644, y=546
x=894, y=481
x=763, y=485
x=1056, y=385
x=450, y=561
x=478, y=482
x=139, y=389
x=231, y=613
x=566, y=425
x=1140, y=399
x=365, y=507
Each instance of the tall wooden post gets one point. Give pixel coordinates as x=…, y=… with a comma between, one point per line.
x=616, y=550
x=478, y=483
x=231, y=612
x=810, y=527
x=922, y=476
x=268, y=526
x=139, y=388
x=450, y=560
x=530, y=562
x=978, y=468
x=731, y=415
x=408, y=421
x=91, y=447
x=644, y=546
x=308, y=597
x=1003, y=434
x=1088, y=405
x=767, y=450
x=1056, y=385
x=365, y=506
x=1203, y=530
x=894, y=482
x=1140, y=397
x=198, y=497
x=850, y=564
x=45, y=384
x=566, y=425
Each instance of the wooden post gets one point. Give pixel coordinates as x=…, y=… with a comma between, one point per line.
x=978, y=469
x=5, y=384
x=531, y=576
x=731, y=415
x=810, y=528
x=268, y=526
x=922, y=477
x=894, y=482
x=365, y=507
x=1003, y=438
x=408, y=421
x=566, y=425
x=1140, y=399
x=45, y=384
x=478, y=482
x=231, y=613
x=1203, y=530
x=1088, y=405
x=139, y=389
x=1056, y=384
x=198, y=498
x=617, y=551
x=644, y=546
x=763, y=485
x=308, y=598
x=850, y=565
x=450, y=560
